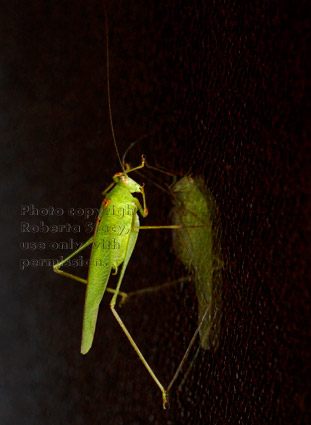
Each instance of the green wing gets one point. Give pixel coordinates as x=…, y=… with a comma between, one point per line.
x=99, y=272
x=130, y=246
x=197, y=246
x=102, y=260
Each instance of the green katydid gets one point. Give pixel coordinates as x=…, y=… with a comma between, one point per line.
x=112, y=245
x=197, y=245
x=113, y=242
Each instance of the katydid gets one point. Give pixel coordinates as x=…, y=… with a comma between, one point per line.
x=113, y=242
x=197, y=246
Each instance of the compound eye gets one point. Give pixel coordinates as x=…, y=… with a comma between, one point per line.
x=119, y=176
x=123, y=178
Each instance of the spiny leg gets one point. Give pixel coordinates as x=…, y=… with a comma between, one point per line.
x=165, y=392
x=197, y=351
x=189, y=368
x=171, y=226
x=140, y=355
x=57, y=266
x=143, y=162
x=186, y=354
x=164, y=187
x=150, y=289
x=192, y=341
x=129, y=250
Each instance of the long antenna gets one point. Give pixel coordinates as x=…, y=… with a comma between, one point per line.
x=108, y=90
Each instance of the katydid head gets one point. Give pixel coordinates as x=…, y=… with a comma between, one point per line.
x=123, y=180
x=184, y=185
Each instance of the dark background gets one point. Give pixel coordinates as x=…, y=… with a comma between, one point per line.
x=219, y=89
